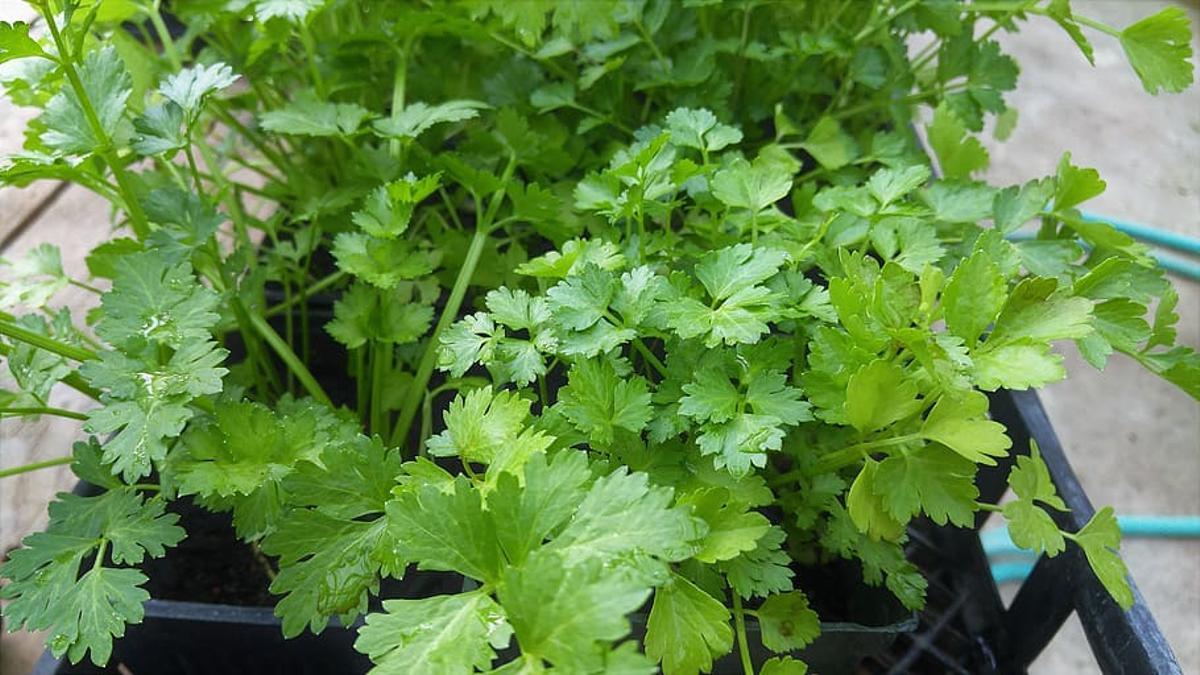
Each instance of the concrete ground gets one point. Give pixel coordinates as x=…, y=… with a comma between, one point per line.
x=1132, y=439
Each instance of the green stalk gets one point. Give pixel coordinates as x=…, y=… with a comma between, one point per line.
x=164, y=36
x=398, y=88
x=26, y=468
x=360, y=382
x=12, y=330
x=381, y=365
x=228, y=193
x=310, y=53
x=137, y=217
x=268, y=334
x=44, y=410
x=75, y=381
x=853, y=453
x=309, y=291
x=416, y=391
x=739, y=622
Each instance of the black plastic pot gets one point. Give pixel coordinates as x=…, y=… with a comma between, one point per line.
x=965, y=626
x=199, y=638
x=964, y=629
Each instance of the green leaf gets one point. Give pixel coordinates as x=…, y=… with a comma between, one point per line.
x=763, y=570
x=530, y=512
x=1030, y=479
x=564, y=611
x=142, y=428
x=245, y=446
x=553, y=96
x=579, y=305
x=366, y=313
x=1119, y=324
x=1017, y=205
x=687, y=628
x=467, y=342
x=152, y=299
x=740, y=307
x=417, y=118
x=159, y=129
x=34, y=278
x=85, y=612
x=1017, y=366
x=388, y=209
x=973, y=297
x=880, y=394
x=751, y=186
x=1060, y=11
x=960, y=202
x=94, y=610
x=327, y=566
x=699, y=129
x=191, y=86
x=598, y=402
x=383, y=263
x=830, y=145
x=787, y=622
x=447, y=531
x=441, y=635
x=1075, y=185
x=955, y=423
x=624, y=516
x=1030, y=527
x=783, y=665
x=712, y=396
x=189, y=219
x=574, y=256
x=1159, y=48
x=1035, y=313
x=890, y=184
x=35, y=370
x=732, y=528
x=959, y=154
x=307, y=115
x=295, y=11
x=867, y=510
x=15, y=42
x=932, y=480
x=481, y=425
x=107, y=86
x=1028, y=523
x=1100, y=540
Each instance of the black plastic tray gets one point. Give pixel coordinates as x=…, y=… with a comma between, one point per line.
x=967, y=629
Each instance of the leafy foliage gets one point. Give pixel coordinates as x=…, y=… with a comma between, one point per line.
x=640, y=303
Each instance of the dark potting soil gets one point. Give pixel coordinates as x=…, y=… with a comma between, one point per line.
x=210, y=565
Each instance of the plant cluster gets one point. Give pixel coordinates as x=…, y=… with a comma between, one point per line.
x=643, y=304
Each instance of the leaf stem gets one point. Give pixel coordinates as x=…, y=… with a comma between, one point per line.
x=739, y=622
x=852, y=453
x=293, y=362
x=164, y=36
x=12, y=330
x=137, y=217
x=1091, y=23
x=44, y=410
x=381, y=366
x=309, y=291
x=649, y=356
x=416, y=391
x=26, y=468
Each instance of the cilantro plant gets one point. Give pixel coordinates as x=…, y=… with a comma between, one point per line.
x=644, y=307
